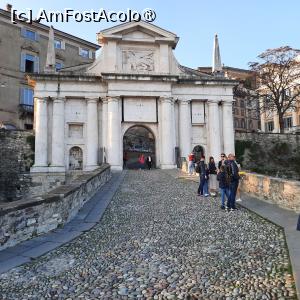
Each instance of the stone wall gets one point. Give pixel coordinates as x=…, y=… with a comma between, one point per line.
x=16, y=157
x=284, y=193
x=24, y=219
x=272, y=154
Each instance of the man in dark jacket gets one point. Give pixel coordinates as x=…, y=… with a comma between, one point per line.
x=234, y=181
x=204, y=175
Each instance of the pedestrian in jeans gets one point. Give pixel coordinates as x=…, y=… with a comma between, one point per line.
x=204, y=176
x=191, y=163
x=224, y=180
x=234, y=181
x=212, y=175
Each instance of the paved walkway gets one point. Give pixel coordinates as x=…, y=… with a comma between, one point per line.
x=88, y=216
x=158, y=240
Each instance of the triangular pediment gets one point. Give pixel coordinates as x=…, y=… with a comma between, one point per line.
x=138, y=31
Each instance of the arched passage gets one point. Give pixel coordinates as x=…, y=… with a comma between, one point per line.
x=198, y=151
x=138, y=140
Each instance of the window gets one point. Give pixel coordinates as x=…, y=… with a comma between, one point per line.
x=58, y=44
x=250, y=125
x=243, y=123
x=58, y=66
x=26, y=96
x=29, y=63
x=270, y=126
x=84, y=52
x=242, y=112
x=28, y=126
x=242, y=103
x=288, y=122
x=29, y=34
x=236, y=123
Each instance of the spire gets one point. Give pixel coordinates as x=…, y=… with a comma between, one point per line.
x=217, y=65
x=50, y=61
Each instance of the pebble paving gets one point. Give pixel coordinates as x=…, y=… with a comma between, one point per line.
x=158, y=240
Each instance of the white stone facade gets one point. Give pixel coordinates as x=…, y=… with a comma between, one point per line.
x=136, y=80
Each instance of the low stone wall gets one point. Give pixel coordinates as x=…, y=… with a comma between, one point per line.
x=284, y=193
x=16, y=157
x=22, y=220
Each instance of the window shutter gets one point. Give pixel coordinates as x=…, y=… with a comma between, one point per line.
x=79, y=51
x=36, y=65
x=23, y=32
x=22, y=65
x=37, y=36
x=63, y=45
x=90, y=54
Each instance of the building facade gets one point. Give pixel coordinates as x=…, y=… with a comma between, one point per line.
x=246, y=106
x=23, y=50
x=134, y=99
x=270, y=120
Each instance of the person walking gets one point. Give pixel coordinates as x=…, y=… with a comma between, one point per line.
x=191, y=163
x=204, y=176
x=224, y=181
x=234, y=181
x=141, y=161
x=212, y=175
x=149, y=162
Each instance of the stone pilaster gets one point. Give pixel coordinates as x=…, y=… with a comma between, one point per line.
x=114, y=133
x=41, y=135
x=92, y=134
x=214, y=129
x=167, y=136
x=228, y=129
x=58, y=136
x=104, y=129
x=185, y=128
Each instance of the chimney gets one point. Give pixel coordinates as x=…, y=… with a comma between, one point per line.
x=8, y=7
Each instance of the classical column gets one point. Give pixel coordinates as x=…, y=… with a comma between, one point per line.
x=104, y=129
x=185, y=128
x=228, y=129
x=58, y=136
x=114, y=134
x=167, y=137
x=92, y=134
x=214, y=129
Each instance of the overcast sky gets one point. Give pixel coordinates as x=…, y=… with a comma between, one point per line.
x=245, y=28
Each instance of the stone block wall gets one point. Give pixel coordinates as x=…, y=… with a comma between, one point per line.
x=24, y=219
x=16, y=157
x=282, y=192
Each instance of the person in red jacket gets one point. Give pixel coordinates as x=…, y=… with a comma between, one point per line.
x=191, y=163
x=142, y=161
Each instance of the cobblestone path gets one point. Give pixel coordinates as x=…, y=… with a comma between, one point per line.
x=158, y=240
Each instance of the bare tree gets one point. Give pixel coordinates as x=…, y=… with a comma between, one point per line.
x=278, y=78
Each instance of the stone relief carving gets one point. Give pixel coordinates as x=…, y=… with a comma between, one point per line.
x=142, y=60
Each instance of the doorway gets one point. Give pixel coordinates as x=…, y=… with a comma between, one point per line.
x=138, y=140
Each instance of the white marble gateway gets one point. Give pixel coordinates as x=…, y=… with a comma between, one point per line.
x=84, y=115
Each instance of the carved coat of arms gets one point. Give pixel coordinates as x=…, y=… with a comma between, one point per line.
x=138, y=60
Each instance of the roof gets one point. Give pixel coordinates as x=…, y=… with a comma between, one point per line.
x=7, y=14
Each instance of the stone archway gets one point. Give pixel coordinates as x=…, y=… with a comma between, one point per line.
x=138, y=140
x=75, y=158
x=198, y=151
